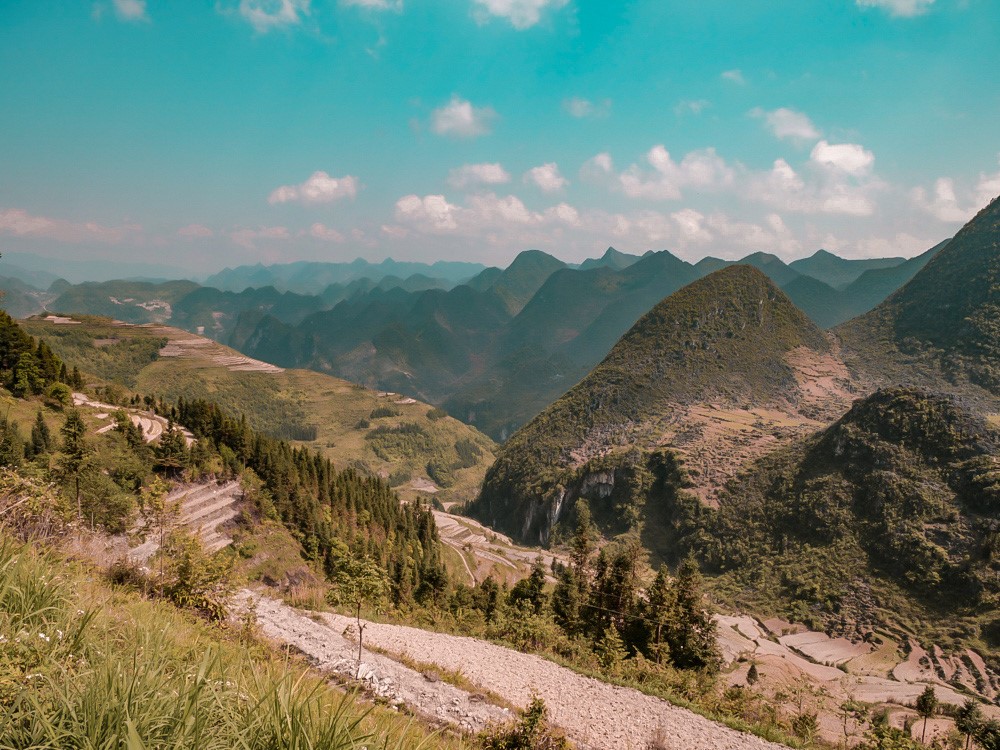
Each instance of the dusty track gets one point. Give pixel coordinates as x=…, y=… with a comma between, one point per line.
x=593, y=713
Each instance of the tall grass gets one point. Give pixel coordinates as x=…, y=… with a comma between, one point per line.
x=131, y=674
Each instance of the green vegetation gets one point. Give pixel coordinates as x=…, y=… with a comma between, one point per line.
x=722, y=338
x=86, y=665
x=324, y=413
x=100, y=348
x=532, y=732
x=129, y=301
x=941, y=329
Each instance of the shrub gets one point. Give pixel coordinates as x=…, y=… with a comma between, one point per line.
x=532, y=732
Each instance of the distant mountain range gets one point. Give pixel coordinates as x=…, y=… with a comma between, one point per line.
x=492, y=346
x=309, y=277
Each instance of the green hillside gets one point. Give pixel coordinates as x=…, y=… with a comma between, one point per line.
x=941, y=329
x=721, y=339
x=129, y=301
x=888, y=514
x=409, y=443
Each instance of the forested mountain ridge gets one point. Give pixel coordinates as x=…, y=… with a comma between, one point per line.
x=941, y=329
x=726, y=353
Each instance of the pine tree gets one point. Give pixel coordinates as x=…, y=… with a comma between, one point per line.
x=566, y=601
x=582, y=544
x=75, y=451
x=611, y=650
x=659, y=605
x=691, y=632
x=532, y=588
x=171, y=452
x=41, y=437
x=27, y=376
x=359, y=581
x=968, y=719
x=11, y=444
x=76, y=379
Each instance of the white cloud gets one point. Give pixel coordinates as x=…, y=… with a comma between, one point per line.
x=131, y=10
x=901, y=8
x=987, y=188
x=325, y=233
x=431, y=213
x=248, y=237
x=483, y=213
x=265, y=15
x=691, y=106
x=828, y=189
x=20, y=223
x=598, y=168
x=459, y=118
x=522, y=14
x=702, y=169
x=546, y=177
x=691, y=225
x=319, y=188
x=470, y=175
x=944, y=203
x=739, y=238
x=195, y=231
x=846, y=157
x=787, y=123
x=734, y=76
x=579, y=107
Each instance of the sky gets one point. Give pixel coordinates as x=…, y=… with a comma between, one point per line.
x=200, y=135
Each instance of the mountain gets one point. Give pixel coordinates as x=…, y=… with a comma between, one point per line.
x=888, y=515
x=728, y=355
x=517, y=284
x=942, y=329
x=824, y=305
x=838, y=272
x=20, y=299
x=876, y=284
x=214, y=313
x=566, y=329
x=775, y=268
x=128, y=301
x=312, y=277
x=611, y=259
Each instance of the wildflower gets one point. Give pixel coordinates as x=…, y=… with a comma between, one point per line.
x=44, y=637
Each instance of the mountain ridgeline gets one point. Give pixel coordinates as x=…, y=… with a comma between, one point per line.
x=724, y=339
x=943, y=327
x=492, y=346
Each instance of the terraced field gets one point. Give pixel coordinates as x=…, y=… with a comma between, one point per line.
x=200, y=509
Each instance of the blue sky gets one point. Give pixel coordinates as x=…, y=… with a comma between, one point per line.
x=204, y=134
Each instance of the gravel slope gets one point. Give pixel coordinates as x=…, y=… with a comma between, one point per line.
x=592, y=713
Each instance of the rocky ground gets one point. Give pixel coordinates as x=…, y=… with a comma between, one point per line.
x=594, y=714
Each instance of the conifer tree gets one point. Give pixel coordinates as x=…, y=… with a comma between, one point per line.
x=692, y=630
x=611, y=650
x=41, y=436
x=11, y=444
x=659, y=605
x=75, y=450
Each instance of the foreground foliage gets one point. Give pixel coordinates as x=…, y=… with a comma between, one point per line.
x=83, y=666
